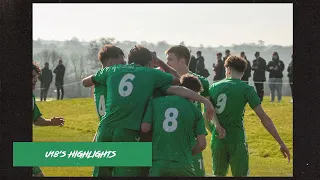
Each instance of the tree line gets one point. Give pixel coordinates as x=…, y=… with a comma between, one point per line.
x=80, y=57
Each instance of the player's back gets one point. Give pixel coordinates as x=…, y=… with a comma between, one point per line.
x=129, y=88
x=230, y=97
x=174, y=121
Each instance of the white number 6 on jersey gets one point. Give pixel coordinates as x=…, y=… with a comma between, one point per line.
x=125, y=87
x=221, y=103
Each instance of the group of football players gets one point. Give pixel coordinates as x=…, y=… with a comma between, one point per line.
x=148, y=100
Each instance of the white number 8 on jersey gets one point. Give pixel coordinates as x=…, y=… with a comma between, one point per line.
x=124, y=83
x=172, y=119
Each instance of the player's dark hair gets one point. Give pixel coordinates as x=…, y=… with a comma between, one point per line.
x=180, y=51
x=236, y=63
x=36, y=68
x=109, y=51
x=140, y=55
x=191, y=82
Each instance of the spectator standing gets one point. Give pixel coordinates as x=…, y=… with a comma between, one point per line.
x=200, y=67
x=275, y=69
x=247, y=72
x=290, y=76
x=59, y=71
x=45, y=80
x=193, y=64
x=218, y=68
x=227, y=54
x=259, y=66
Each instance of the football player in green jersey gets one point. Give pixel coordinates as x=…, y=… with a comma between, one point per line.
x=37, y=118
x=178, y=58
x=229, y=97
x=175, y=122
x=109, y=55
x=129, y=87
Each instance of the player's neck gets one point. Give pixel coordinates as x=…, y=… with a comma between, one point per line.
x=183, y=70
x=235, y=76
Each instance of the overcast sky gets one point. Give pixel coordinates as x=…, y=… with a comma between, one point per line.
x=206, y=23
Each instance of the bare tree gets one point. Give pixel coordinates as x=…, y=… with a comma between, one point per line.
x=92, y=55
x=261, y=43
x=79, y=69
x=104, y=41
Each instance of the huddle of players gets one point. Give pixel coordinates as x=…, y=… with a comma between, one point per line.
x=136, y=98
x=174, y=141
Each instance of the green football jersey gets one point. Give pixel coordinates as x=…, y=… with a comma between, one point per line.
x=229, y=97
x=204, y=93
x=129, y=87
x=175, y=121
x=35, y=110
x=100, y=96
x=205, y=85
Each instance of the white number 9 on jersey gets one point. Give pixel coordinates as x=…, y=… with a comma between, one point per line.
x=221, y=103
x=125, y=87
x=172, y=119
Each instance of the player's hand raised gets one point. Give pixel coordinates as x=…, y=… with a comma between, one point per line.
x=221, y=132
x=209, y=110
x=285, y=151
x=57, y=121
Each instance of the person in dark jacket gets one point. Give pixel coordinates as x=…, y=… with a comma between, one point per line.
x=290, y=76
x=45, y=80
x=59, y=71
x=247, y=72
x=200, y=67
x=259, y=66
x=275, y=69
x=193, y=64
x=227, y=54
x=219, y=68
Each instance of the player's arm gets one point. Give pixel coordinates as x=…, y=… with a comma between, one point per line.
x=168, y=69
x=88, y=81
x=147, y=118
x=200, y=146
x=201, y=133
x=99, y=78
x=214, y=122
x=55, y=121
x=268, y=124
x=255, y=104
x=189, y=94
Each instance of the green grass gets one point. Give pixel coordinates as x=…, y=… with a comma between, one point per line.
x=81, y=124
